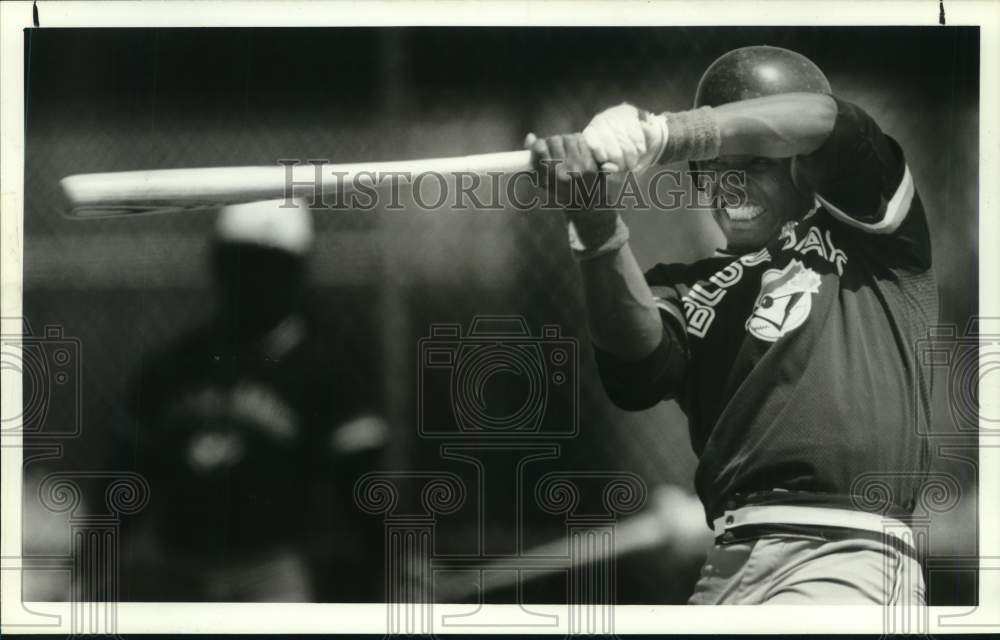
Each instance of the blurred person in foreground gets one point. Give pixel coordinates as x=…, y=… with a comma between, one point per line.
x=791, y=349
x=253, y=432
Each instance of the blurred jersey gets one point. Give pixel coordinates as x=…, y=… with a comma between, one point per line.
x=238, y=433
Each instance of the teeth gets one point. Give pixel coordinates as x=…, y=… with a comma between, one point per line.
x=746, y=212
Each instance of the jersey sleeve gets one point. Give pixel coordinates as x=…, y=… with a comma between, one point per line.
x=860, y=176
x=634, y=386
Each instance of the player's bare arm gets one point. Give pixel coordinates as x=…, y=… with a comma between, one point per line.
x=622, y=314
x=626, y=138
x=779, y=126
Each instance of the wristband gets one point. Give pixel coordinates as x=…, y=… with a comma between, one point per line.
x=596, y=234
x=691, y=135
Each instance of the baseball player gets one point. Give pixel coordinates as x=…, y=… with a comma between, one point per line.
x=253, y=432
x=790, y=348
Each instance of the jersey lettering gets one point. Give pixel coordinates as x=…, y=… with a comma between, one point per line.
x=711, y=298
x=813, y=242
x=821, y=245
x=703, y=297
x=698, y=317
x=701, y=300
x=788, y=235
x=728, y=276
x=835, y=255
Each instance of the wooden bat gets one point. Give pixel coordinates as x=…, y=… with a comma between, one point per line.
x=123, y=193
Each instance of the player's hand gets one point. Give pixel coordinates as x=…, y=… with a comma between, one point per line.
x=625, y=138
x=570, y=172
x=566, y=167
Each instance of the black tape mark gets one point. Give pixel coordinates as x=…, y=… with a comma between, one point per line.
x=941, y=12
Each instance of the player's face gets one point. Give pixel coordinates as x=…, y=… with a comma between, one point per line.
x=753, y=198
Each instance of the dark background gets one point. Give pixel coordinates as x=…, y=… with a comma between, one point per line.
x=114, y=99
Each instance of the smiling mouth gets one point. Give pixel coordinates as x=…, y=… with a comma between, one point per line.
x=744, y=213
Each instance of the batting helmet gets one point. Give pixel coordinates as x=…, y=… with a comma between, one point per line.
x=753, y=72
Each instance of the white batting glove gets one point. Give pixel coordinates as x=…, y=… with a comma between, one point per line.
x=625, y=138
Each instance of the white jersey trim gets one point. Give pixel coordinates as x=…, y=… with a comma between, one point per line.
x=895, y=210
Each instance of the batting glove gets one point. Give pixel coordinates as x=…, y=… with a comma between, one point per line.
x=625, y=138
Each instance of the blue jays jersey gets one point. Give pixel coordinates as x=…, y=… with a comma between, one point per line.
x=795, y=364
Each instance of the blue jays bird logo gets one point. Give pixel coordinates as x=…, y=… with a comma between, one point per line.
x=784, y=301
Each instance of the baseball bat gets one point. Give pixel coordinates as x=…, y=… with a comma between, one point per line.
x=124, y=193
